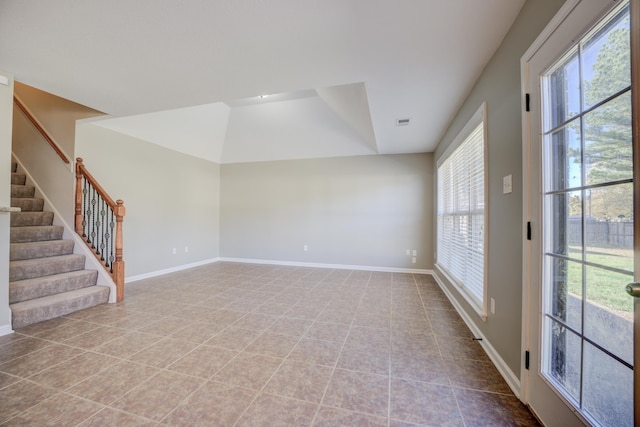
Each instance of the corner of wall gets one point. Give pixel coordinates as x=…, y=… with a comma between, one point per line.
x=6, y=125
x=5, y=329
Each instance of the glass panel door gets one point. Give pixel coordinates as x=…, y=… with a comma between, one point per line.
x=587, y=224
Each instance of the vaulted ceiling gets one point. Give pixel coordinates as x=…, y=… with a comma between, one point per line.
x=192, y=75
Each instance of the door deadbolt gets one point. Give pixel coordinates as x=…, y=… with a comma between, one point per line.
x=633, y=289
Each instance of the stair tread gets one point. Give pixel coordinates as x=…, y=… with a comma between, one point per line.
x=28, y=198
x=31, y=218
x=52, y=259
x=18, y=178
x=40, y=242
x=40, y=249
x=33, y=233
x=33, y=227
x=59, y=297
x=68, y=274
x=29, y=204
x=19, y=191
x=41, y=267
x=26, y=289
x=39, y=309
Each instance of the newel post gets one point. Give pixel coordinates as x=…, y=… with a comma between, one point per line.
x=118, y=264
x=79, y=215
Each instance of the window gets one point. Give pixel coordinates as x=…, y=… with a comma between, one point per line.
x=462, y=212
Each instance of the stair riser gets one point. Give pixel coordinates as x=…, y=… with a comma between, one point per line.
x=25, y=290
x=36, y=234
x=33, y=311
x=18, y=191
x=20, y=251
x=18, y=178
x=27, y=269
x=29, y=219
x=28, y=205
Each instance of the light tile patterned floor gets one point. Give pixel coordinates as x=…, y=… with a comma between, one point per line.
x=232, y=344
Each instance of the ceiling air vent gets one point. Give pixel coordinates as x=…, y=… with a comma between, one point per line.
x=403, y=122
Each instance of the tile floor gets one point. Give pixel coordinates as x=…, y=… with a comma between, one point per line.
x=230, y=344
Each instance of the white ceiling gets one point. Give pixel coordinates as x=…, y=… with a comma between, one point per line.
x=188, y=75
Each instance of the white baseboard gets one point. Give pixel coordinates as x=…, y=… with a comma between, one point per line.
x=169, y=270
x=509, y=376
x=272, y=262
x=5, y=330
x=321, y=265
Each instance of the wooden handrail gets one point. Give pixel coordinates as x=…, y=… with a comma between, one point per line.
x=81, y=170
x=36, y=123
x=115, y=266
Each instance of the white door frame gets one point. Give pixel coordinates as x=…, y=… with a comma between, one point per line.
x=635, y=111
x=527, y=211
x=531, y=336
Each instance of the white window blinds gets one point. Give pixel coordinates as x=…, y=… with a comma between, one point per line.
x=461, y=213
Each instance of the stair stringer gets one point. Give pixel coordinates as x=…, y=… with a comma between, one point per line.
x=80, y=247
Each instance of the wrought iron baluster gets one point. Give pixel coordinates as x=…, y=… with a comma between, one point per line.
x=98, y=219
x=111, y=255
x=88, y=212
x=104, y=229
x=109, y=238
x=97, y=223
x=84, y=207
x=93, y=218
x=102, y=234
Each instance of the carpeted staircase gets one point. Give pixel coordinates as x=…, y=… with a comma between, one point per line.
x=46, y=279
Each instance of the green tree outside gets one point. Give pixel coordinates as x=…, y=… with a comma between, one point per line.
x=607, y=129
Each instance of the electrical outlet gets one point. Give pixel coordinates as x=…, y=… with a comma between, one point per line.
x=415, y=252
x=186, y=248
x=174, y=251
x=409, y=252
x=493, y=306
x=413, y=260
x=305, y=248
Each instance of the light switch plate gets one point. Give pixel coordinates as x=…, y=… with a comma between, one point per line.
x=507, y=184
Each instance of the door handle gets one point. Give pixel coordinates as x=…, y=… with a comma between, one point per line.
x=633, y=289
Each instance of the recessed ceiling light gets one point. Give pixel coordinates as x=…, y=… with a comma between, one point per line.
x=403, y=122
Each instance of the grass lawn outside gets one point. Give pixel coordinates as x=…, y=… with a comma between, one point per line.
x=603, y=287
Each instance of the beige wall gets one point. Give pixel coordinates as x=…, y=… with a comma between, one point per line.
x=57, y=115
x=6, y=112
x=499, y=86
x=172, y=199
x=364, y=210
x=46, y=168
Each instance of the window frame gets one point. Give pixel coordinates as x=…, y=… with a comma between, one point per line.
x=477, y=119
